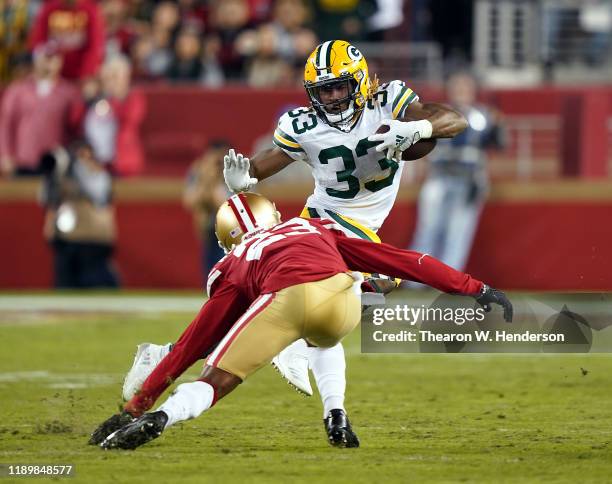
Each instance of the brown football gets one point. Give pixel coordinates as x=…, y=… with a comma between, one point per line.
x=418, y=150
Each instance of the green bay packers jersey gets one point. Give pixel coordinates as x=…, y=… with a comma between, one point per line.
x=351, y=177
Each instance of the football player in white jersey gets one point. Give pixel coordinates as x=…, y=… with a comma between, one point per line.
x=356, y=170
x=357, y=174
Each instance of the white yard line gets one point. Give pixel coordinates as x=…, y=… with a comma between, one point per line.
x=60, y=380
x=101, y=303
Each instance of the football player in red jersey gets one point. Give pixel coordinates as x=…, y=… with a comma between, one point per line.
x=278, y=282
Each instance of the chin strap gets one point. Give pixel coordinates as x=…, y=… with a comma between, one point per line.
x=345, y=122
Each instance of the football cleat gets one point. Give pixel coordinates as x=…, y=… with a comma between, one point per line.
x=293, y=367
x=339, y=430
x=137, y=433
x=109, y=426
x=148, y=356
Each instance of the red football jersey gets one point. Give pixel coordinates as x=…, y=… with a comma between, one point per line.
x=305, y=250
x=290, y=253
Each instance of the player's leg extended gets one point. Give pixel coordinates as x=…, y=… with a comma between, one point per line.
x=270, y=324
x=195, y=342
x=327, y=364
x=264, y=325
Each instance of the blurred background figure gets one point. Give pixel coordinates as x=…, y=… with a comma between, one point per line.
x=193, y=14
x=456, y=186
x=151, y=51
x=596, y=21
x=389, y=15
x=579, y=32
x=120, y=31
x=37, y=114
x=229, y=19
x=346, y=20
x=276, y=50
x=265, y=65
x=164, y=27
x=15, y=18
x=113, y=115
x=186, y=64
x=205, y=192
x=79, y=219
x=77, y=26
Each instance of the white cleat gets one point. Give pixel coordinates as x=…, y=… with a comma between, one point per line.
x=293, y=367
x=148, y=356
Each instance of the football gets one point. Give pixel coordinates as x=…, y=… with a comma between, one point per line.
x=418, y=150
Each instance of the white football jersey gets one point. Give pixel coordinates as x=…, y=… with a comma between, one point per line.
x=351, y=177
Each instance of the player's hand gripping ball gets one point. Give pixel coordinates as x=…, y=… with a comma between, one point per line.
x=416, y=151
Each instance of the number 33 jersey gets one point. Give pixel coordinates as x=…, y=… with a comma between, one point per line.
x=351, y=177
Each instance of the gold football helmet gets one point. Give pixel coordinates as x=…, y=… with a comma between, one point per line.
x=331, y=63
x=241, y=214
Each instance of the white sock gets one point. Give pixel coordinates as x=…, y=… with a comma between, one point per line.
x=328, y=367
x=189, y=400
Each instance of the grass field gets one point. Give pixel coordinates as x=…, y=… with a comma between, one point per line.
x=420, y=418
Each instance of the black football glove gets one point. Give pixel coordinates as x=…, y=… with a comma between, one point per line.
x=489, y=295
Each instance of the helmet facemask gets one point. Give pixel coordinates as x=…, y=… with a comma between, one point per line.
x=339, y=112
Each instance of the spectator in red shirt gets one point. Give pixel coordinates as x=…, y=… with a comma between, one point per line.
x=78, y=28
x=36, y=114
x=112, y=119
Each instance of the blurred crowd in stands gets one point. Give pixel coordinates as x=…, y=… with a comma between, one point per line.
x=204, y=41
x=68, y=65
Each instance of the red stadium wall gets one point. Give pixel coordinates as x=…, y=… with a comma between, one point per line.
x=547, y=244
x=551, y=237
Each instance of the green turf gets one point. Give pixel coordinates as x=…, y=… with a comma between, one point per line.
x=421, y=418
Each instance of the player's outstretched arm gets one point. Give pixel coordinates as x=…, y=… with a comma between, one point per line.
x=383, y=258
x=445, y=121
x=268, y=162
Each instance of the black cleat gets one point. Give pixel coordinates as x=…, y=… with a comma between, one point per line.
x=339, y=431
x=109, y=426
x=139, y=432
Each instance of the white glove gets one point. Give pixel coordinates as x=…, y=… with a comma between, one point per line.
x=236, y=172
x=401, y=136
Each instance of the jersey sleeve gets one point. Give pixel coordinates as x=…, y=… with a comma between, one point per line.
x=287, y=140
x=366, y=256
x=399, y=97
